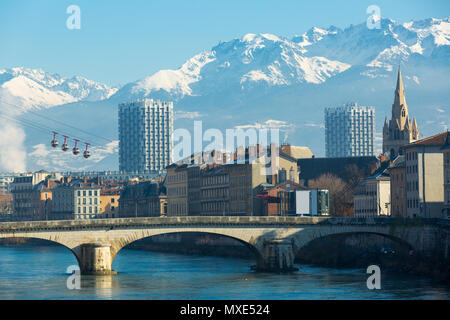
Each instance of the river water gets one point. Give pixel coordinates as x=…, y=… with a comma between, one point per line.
x=39, y=272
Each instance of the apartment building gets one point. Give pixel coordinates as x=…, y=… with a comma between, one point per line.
x=215, y=191
x=372, y=197
x=76, y=200
x=397, y=173
x=145, y=136
x=349, y=131
x=424, y=162
x=145, y=199
x=109, y=203
x=446, y=155
x=177, y=190
x=24, y=191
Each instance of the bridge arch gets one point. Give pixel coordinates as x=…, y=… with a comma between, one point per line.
x=301, y=240
x=46, y=239
x=254, y=250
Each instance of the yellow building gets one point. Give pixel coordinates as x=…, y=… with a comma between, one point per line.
x=280, y=167
x=296, y=151
x=424, y=162
x=177, y=190
x=109, y=204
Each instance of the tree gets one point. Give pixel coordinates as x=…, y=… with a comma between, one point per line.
x=341, y=194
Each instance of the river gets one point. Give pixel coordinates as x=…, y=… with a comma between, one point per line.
x=39, y=272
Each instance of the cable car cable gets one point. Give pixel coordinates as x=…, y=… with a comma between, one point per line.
x=57, y=121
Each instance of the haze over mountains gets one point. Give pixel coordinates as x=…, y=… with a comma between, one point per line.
x=256, y=81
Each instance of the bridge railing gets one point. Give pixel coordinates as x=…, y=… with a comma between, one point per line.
x=214, y=220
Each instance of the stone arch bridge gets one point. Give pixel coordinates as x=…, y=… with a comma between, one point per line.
x=274, y=240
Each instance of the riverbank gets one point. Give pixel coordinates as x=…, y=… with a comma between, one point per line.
x=194, y=244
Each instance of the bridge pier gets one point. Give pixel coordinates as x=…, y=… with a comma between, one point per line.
x=95, y=259
x=278, y=256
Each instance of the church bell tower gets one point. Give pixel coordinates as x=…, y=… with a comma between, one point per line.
x=399, y=131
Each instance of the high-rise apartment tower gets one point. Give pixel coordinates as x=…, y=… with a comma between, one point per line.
x=349, y=131
x=145, y=135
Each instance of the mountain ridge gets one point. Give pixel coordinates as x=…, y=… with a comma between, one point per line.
x=260, y=78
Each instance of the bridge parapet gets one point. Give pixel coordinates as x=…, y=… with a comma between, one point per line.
x=213, y=220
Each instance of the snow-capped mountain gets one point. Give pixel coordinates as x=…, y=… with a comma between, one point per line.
x=240, y=63
x=35, y=89
x=263, y=78
x=317, y=55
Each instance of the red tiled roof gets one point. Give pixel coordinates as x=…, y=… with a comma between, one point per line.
x=436, y=140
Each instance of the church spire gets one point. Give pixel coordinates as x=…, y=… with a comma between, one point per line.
x=415, y=130
x=400, y=99
x=400, y=130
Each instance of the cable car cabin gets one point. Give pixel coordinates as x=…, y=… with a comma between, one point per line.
x=54, y=141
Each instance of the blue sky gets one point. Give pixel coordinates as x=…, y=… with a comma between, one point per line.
x=122, y=41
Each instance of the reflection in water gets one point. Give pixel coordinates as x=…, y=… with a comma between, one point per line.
x=103, y=285
x=31, y=272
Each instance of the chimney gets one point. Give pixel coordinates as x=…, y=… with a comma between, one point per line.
x=286, y=148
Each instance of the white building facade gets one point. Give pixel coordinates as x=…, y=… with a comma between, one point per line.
x=6, y=179
x=372, y=197
x=349, y=131
x=76, y=202
x=145, y=135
